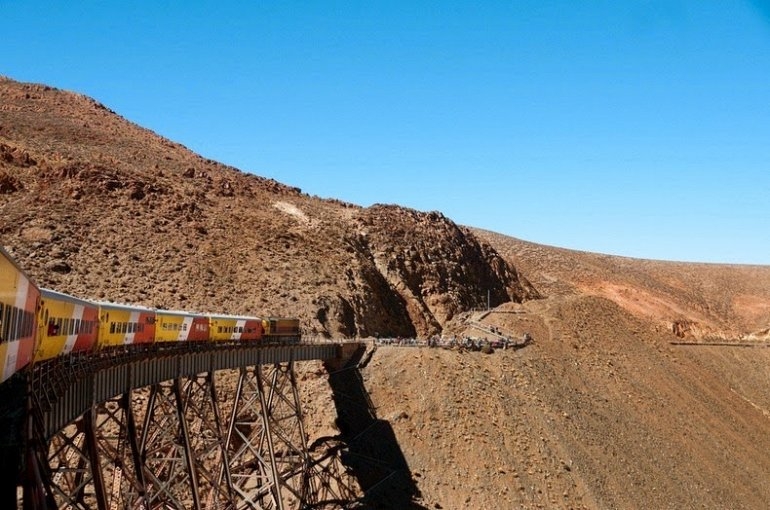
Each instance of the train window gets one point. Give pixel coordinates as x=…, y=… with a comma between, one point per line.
x=184, y=326
x=4, y=327
x=219, y=329
x=7, y=321
x=2, y=335
x=10, y=316
x=14, y=324
x=112, y=328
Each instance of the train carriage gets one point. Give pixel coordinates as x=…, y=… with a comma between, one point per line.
x=125, y=325
x=281, y=329
x=19, y=298
x=66, y=324
x=44, y=324
x=171, y=326
x=230, y=327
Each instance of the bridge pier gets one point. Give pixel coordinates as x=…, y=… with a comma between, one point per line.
x=200, y=439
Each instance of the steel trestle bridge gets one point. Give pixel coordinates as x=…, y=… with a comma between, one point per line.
x=190, y=427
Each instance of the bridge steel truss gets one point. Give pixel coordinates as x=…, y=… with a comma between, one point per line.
x=175, y=431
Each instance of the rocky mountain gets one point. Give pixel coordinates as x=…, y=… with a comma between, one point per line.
x=645, y=386
x=96, y=206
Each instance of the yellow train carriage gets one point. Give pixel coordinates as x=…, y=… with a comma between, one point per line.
x=19, y=298
x=172, y=326
x=66, y=324
x=229, y=327
x=125, y=325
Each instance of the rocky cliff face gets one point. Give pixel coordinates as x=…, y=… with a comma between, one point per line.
x=436, y=268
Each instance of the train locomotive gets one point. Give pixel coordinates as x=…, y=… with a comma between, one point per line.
x=41, y=324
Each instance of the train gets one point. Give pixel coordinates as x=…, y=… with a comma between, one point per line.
x=39, y=324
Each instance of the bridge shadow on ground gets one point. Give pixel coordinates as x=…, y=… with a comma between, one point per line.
x=373, y=454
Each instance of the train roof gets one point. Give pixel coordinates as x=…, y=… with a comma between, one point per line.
x=53, y=294
x=236, y=317
x=121, y=306
x=180, y=312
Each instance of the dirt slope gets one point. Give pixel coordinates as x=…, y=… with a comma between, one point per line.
x=692, y=300
x=602, y=410
x=599, y=412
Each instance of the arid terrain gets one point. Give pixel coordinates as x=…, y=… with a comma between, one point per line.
x=646, y=384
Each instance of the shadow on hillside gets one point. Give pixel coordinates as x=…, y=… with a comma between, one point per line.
x=373, y=455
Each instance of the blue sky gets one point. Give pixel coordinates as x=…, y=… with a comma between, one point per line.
x=637, y=128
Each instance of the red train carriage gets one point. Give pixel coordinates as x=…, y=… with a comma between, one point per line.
x=19, y=298
x=66, y=324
